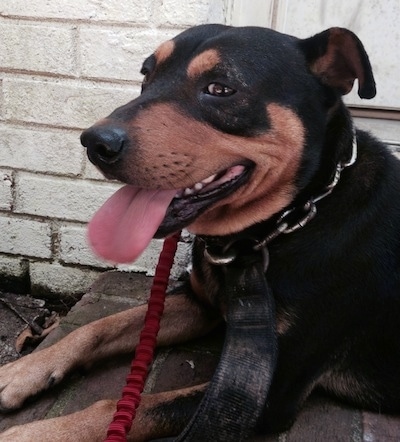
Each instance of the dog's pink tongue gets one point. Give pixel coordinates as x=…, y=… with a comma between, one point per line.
x=123, y=227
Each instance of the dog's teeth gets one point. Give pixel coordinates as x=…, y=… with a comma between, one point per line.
x=196, y=188
x=209, y=180
x=188, y=191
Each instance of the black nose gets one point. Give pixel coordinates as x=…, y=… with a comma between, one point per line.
x=105, y=144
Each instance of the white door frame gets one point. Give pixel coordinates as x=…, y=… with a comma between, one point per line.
x=267, y=13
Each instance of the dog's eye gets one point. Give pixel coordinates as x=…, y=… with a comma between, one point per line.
x=219, y=90
x=146, y=76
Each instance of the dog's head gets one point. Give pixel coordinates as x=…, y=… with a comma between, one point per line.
x=228, y=129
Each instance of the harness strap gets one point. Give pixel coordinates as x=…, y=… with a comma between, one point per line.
x=236, y=395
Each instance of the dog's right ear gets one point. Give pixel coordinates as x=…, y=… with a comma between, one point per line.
x=337, y=57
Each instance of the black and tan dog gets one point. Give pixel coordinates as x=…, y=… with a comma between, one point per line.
x=241, y=133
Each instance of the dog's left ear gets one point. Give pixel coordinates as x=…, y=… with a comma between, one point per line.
x=337, y=57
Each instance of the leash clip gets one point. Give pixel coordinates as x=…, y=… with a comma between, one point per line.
x=229, y=254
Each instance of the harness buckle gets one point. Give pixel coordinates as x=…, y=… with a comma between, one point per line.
x=224, y=259
x=229, y=254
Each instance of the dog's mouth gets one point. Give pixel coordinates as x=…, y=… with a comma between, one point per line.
x=190, y=203
x=123, y=227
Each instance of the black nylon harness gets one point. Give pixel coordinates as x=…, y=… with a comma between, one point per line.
x=237, y=393
x=235, y=397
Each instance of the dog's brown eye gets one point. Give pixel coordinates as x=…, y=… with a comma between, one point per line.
x=145, y=78
x=219, y=90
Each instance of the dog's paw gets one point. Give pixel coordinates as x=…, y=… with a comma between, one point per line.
x=26, y=377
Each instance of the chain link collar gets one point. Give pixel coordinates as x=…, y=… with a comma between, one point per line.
x=283, y=224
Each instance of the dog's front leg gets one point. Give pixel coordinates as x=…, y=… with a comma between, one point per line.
x=183, y=319
x=159, y=415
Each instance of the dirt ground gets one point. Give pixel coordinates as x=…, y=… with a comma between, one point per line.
x=24, y=322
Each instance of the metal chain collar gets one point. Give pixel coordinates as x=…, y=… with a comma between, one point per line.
x=229, y=254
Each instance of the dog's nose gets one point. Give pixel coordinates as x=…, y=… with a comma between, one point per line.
x=105, y=144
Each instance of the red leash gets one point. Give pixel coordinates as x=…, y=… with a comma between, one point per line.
x=127, y=405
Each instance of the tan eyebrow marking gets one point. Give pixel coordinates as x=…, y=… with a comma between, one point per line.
x=164, y=51
x=203, y=62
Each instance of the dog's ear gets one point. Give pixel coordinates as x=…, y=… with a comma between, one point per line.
x=337, y=57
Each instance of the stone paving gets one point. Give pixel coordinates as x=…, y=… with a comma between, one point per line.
x=321, y=419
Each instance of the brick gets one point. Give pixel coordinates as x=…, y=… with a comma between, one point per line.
x=97, y=306
x=50, y=151
x=127, y=286
x=324, y=420
x=67, y=104
x=124, y=11
x=6, y=183
x=91, y=172
x=74, y=249
x=380, y=427
x=147, y=262
x=1, y=99
x=13, y=266
x=25, y=237
x=38, y=48
x=118, y=53
x=14, y=274
x=60, y=198
x=59, y=281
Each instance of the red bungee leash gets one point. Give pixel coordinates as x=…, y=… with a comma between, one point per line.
x=129, y=402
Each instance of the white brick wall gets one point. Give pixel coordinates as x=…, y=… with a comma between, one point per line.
x=63, y=65
x=6, y=196
x=54, y=54
x=42, y=150
x=21, y=236
x=69, y=104
x=60, y=198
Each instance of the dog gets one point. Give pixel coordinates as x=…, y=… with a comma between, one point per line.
x=242, y=133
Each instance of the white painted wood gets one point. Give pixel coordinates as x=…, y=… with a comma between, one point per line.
x=250, y=12
x=376, y=22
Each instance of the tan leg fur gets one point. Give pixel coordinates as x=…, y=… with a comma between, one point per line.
x=90, y=425
x=182, y=320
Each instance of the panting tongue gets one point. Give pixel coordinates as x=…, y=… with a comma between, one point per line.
x=123, y=227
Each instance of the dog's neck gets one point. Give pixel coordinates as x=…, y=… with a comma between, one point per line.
x=290, y=219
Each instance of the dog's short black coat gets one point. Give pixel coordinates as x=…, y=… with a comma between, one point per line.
x=336, y=281
x=218, y=99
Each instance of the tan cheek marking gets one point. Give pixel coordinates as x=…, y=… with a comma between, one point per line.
x=277, y=155
x=177, y=151
x=164, y=51
x=203, y=62
x=173, y=145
